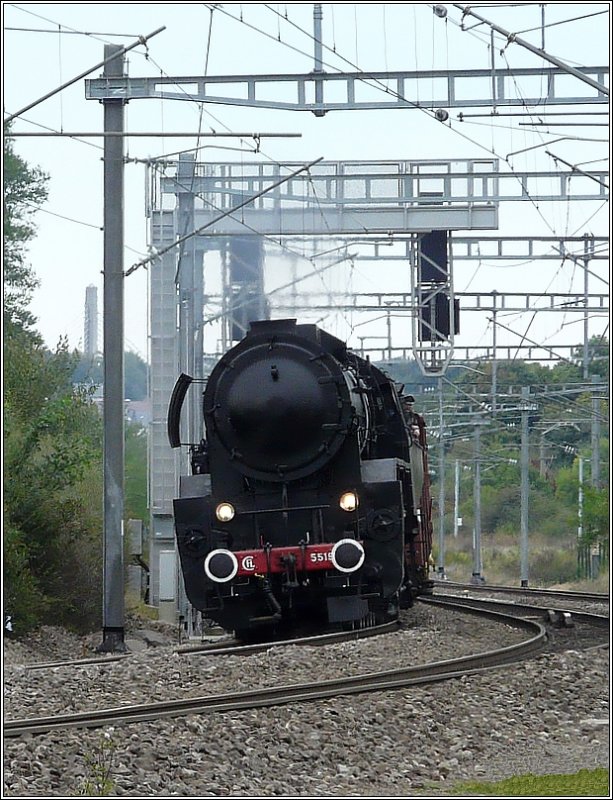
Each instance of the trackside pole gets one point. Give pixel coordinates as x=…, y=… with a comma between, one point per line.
x=113, y=578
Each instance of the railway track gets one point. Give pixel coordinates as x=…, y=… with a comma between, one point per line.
x=529, y=610
x=233, y=647
x=553, y=594
x=563, y=631
x=380, y=681
x=310, y=641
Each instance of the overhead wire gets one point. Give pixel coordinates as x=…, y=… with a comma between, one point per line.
x=524, y=337
x=563, y=22
x=212, y=8
x=574, y=268
x=267, y=237
x=396, y=94
x=590, y=217
x=259, y=150
x=61, y=95
x=76, y=222
x=499, y=427
x=55, y=130
x=325, y=221
x=574, y=404
x=62, y=216
x=384, y=38
x=573, y=322
x=550, y=227
x=68, y=29
x=92, y=34
x=198, y=138
x=55, y=213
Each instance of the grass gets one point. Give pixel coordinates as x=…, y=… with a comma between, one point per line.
x=550, y=563
x=141, y=610
x=585, y=783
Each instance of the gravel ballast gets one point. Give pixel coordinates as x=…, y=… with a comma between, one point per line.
x=544, y=716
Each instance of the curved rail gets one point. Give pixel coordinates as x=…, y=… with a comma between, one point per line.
x=232, y=647
x=526, y=591
x=596, y=620
x=77, y=662
x=310, y=641
x=378, y=681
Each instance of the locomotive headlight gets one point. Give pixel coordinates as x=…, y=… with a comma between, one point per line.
x=224, y=512
x=348, y=501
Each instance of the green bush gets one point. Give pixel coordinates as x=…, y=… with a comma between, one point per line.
x=23, y=599
x=501, y=564
x=499, y=506
x=554, y=565
x=52, y=442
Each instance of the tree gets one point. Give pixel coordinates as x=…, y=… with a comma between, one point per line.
x=596, y=518
x=136, y=472
x=598, y=356
x=52, y=444
x=136, y=377
x=25, y=188
x=90, y=370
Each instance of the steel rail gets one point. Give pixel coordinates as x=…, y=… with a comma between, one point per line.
x=528, y=592
x=597, y=620
x=308, y=641
x=77, y=662
x=379, y=681
x=232, y=647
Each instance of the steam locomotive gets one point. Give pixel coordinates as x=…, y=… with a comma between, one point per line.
x=309, y=497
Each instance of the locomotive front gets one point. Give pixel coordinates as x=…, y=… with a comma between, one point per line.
x=287, y=517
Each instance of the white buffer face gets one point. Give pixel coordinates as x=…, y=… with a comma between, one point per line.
x=220, y=566
x=347, y=555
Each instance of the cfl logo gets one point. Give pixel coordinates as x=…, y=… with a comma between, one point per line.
x=248, y=563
